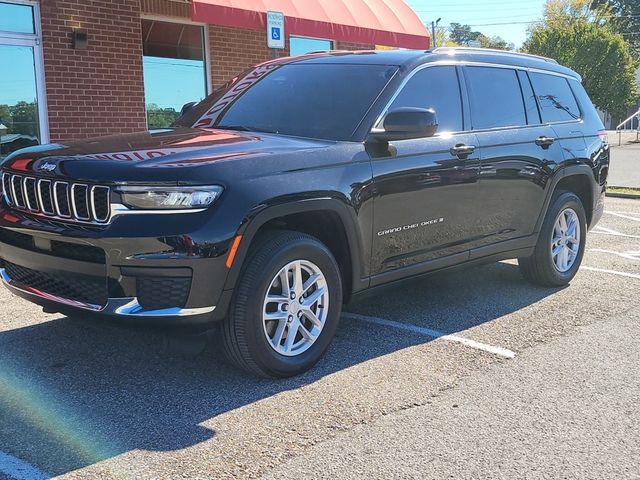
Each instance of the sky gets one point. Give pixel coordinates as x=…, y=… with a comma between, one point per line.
x=514, y=15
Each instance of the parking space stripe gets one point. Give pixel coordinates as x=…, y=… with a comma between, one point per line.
x=608, y=231
x=634, y=255
x=428, y=332
x=622, y=215
x=612, y=272
x=19, y=470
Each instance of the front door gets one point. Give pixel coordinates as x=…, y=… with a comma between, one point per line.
x=426, y=189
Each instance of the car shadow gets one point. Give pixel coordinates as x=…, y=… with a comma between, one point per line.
x=74, y=392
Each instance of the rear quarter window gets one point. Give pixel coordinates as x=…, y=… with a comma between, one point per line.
x=556, y=100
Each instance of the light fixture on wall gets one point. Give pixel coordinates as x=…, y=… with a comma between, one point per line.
x=79, y=39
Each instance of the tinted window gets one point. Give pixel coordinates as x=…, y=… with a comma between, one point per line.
x=530, y=103
x=308, y=100
x=495, y=97
x=437, y=88
x=557, y=103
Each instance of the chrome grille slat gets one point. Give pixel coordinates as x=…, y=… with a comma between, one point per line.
x=75, y=202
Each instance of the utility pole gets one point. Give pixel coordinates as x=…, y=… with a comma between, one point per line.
x=433, y=32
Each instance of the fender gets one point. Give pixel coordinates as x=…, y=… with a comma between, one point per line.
x=564, y=172
x=250, y=228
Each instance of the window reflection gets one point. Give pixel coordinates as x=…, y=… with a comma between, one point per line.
x=174, y=69
x=302, y=45
x=16, y=18
x=18, y=99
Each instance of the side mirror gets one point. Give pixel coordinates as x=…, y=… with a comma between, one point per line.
x=186, y=107
x=406, y=123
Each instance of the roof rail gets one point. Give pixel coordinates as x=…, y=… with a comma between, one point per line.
x=493, y=50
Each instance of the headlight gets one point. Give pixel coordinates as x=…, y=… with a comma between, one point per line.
x=169, y=198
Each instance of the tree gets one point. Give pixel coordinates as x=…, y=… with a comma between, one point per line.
x=625, y=19
x=462, y=34
x=158, y=117
x=577, y=38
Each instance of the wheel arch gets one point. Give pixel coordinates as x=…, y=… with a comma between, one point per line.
x=345, y=244
x=577, y=179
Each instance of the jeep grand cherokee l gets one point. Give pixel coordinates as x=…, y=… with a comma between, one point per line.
x=303, y=181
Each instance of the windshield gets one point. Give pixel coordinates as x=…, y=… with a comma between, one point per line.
x=325, y=101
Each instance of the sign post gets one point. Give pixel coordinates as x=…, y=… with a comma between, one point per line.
x=275, y=31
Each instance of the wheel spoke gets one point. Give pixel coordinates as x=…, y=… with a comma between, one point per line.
x=270, y=316
x=276, y=340
x=307, y=334
x=310, y=282
x=284, y=281
x=314, y=297
x=313, y=318
x=297, y=279
x=292, y=332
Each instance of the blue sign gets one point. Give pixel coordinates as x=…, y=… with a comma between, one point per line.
x=275, y=33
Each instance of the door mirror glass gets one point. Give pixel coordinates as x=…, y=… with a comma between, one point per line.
x=406, y=123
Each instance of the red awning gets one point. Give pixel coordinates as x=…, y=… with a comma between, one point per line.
x=373, y=22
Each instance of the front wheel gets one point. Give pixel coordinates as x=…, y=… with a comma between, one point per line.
x=558, y=253
x=286, y=307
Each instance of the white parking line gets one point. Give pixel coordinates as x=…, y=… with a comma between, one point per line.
x=409, y=327
x=633, y=255
x=622, y=215
x=608, y=231
x=612, y=272
x=19, y=470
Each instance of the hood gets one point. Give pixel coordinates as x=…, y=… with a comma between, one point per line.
x=152, y=155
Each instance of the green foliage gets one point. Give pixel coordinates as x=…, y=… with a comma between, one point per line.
x=462, y=35
x=20, y=118
x=625, y=19
x=160, y=117
x=598, y=53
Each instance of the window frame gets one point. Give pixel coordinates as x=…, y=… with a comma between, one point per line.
x=466, y=123
x=33, y=40
x=331, y=41
x=205, y=45
x=524, y=105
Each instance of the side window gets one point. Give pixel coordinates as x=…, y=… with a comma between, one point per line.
x=530, y=103
x=436, y=88
x=557, y=103
x=495, y=97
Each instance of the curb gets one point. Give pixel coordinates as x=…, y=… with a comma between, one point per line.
x=622, y=195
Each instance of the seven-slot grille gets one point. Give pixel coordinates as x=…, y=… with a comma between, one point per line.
x=66, y=200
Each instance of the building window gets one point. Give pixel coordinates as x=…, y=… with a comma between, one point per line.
x=22, y=110
x=302, y=45
x=174, y=69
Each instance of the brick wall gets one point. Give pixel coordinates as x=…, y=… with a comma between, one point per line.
x=99, y=90
x=233, y=50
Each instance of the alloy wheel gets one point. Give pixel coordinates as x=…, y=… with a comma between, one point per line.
x=565, y=242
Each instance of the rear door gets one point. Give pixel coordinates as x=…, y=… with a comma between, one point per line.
x=426, y=191
x=518, y=155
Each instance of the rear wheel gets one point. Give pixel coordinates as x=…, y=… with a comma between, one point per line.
x=286, y=307
x=558, y=253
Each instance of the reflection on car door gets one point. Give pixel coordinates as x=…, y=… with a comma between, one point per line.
x=425, y=189
x=518, y=155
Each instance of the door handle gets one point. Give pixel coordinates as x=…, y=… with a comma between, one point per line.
x=462, y=151
x=545, y=142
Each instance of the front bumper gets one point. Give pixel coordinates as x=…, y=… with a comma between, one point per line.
x=162, y=278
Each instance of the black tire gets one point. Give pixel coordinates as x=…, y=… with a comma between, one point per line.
x=539, y=268
x=244, y=339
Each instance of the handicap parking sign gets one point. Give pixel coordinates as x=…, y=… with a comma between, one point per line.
x=275, y=30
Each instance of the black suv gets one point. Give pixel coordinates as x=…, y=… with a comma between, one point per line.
x=305, y=180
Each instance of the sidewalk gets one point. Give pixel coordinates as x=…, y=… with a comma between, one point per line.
x=624, y=170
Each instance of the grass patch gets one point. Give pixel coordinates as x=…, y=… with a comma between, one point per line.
x=625, y=190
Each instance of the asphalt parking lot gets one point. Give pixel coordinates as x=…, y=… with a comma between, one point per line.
x=80, y=399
